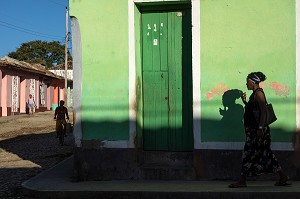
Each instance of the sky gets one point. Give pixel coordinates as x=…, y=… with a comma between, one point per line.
x=22, y=21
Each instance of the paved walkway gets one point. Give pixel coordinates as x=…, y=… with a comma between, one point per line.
x=57, y=183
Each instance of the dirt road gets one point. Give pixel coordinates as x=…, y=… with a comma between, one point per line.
x=27, y=147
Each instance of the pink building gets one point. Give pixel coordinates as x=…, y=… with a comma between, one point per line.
x=19, y=79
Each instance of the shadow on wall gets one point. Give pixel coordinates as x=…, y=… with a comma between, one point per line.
x=296, y=146
x=232, y=114
x=213, y=164
x=33, y=148
x=219, y=130
x=230, y=127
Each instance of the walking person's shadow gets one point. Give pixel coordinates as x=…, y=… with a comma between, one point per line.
x=232, y=112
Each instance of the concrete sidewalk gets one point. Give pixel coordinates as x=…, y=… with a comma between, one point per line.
x=57, y=183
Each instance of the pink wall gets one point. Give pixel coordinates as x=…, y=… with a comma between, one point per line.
x=4, y=95
x=23, y=95
x=24, y=90
x=0, y=93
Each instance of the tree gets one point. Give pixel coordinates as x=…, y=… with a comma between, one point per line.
x=43, y=52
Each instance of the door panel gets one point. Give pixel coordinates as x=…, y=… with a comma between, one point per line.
x=163, y=85
x=175, y=71
x=154, y=42
x=155, y=110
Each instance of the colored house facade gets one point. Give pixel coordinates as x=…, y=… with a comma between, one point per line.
x=19, y=79
x=159, y=83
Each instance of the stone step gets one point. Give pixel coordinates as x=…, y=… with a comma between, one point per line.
x=167, y=173
x=173, y=159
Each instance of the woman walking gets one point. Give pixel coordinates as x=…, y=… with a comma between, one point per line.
x=258, y=157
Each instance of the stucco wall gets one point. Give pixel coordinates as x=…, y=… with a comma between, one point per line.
x=239, y=37
x=104, y=34
x=236, y=38
x=230, y=39
x=0, y=87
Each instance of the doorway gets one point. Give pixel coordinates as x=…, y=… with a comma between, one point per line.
x=167, y=80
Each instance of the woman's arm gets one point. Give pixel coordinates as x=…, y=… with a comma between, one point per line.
x=260, y=98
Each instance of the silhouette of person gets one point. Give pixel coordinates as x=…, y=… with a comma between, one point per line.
x=232, y=112
x=60, y=114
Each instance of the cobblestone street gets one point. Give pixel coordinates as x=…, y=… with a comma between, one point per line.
x=27, y=147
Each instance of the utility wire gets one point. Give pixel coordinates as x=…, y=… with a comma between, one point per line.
x=18, y=28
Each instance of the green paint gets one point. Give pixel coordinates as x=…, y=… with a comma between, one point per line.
x=155, y=80
x=54, y=106
x=104, y=35
x=139, y=79
x=163, y=91
x=239, y=37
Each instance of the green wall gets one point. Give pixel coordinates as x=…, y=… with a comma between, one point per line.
x=104, y=36
x=239, y=37
x=139, y=76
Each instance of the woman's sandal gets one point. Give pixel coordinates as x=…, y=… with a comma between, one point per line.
x=237, y=185
x=280, y=183
x=283, y=182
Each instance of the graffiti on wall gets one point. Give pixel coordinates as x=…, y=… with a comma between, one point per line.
x=218, y=90
x=42, y=93
x=279, y=89
x=32, y=88
x=15, y=94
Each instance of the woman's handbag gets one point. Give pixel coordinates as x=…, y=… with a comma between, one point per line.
x=270, y=117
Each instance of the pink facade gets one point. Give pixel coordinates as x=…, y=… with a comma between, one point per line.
x=18, y=80
x=0, y=92
x=4, y=95
x=22, y=95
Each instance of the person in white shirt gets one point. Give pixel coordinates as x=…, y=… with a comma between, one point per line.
x=31, y=104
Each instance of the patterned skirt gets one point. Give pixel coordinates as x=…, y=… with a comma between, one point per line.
x=258, y=157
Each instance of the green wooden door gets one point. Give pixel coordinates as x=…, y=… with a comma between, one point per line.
x=167, y=98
